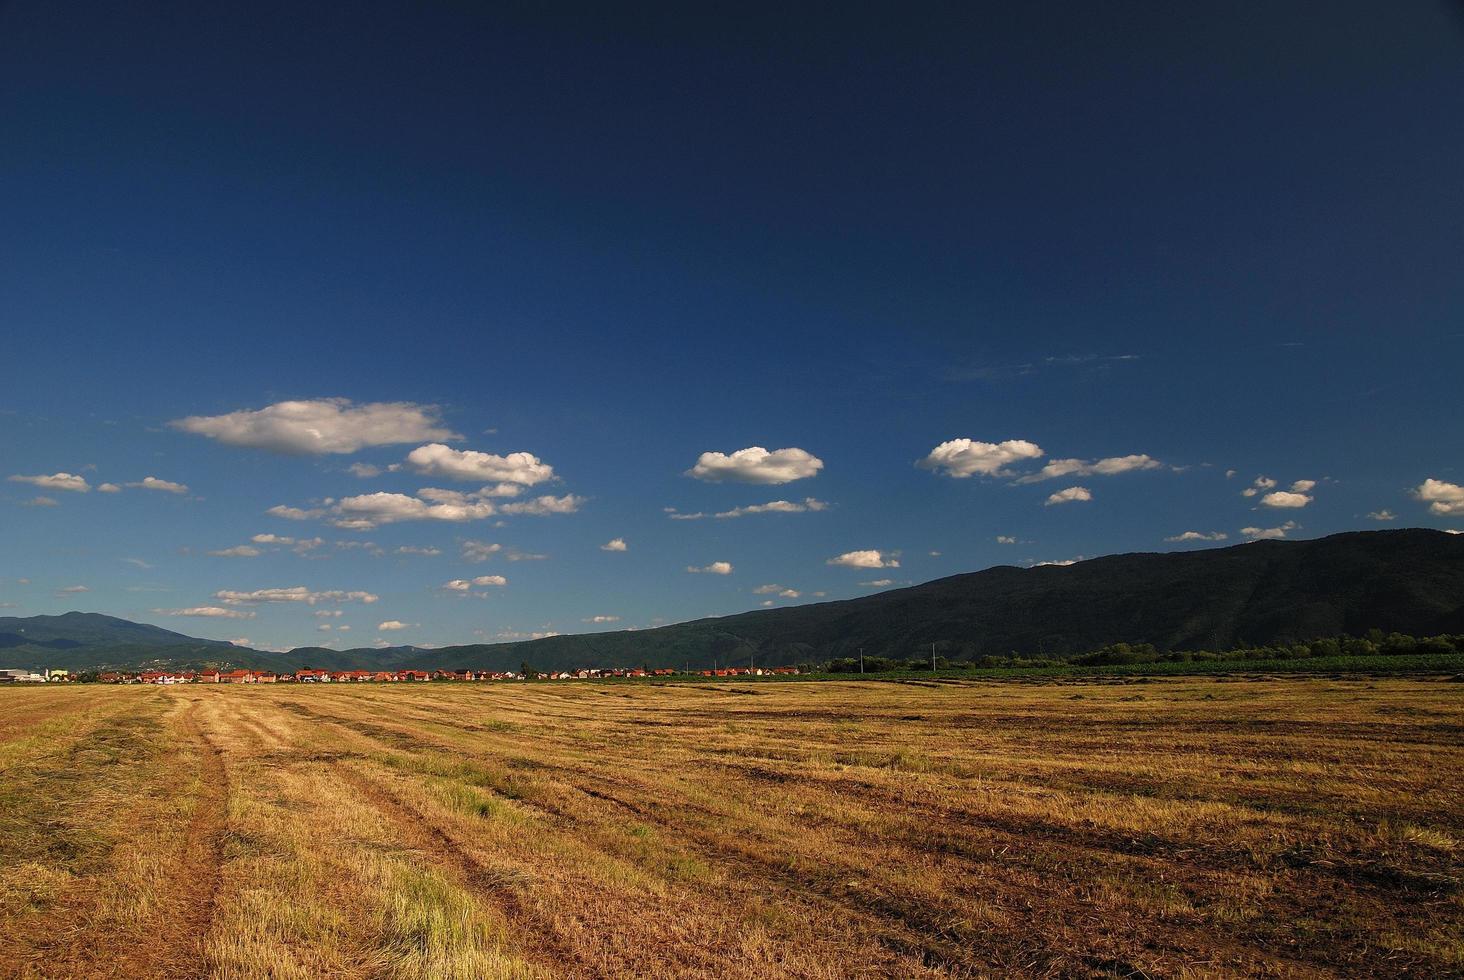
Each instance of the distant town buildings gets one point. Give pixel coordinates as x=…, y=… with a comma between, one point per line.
x=317, y=676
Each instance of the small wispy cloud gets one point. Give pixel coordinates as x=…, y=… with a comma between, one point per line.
x=165, y=486
x=1269, y=533
x=1069, y=496
x=715, y=568
x=1199, y=536
x=868, y=558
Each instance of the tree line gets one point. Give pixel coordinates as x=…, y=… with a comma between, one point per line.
x=1372, y=644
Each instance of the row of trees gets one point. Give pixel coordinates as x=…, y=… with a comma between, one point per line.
x=1374, y=643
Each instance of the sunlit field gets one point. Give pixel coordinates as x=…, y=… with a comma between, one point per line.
x=1180, y=827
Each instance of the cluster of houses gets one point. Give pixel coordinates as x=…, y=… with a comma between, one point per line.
x=311, y=676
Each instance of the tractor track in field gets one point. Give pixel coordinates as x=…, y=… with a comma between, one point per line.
x=202, y=870
x=169, y=942
x=442, y=850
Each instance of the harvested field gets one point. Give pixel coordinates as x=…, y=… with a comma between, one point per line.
x=1183, y=827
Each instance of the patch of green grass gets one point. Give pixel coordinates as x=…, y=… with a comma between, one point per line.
x=466, y=799
x=684, y=867
x=433, y=929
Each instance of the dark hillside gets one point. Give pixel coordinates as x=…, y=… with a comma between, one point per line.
x=1266, y=592
x=1411, y=581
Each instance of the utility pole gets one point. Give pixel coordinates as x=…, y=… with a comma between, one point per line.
x=861, y=660
x=932, y=658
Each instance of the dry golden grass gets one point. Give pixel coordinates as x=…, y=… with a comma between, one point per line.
x=1180, y=828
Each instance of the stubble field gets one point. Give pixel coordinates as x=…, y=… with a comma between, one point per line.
x=1298, y=828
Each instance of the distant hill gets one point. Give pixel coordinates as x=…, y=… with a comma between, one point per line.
x=1410, y=581
x=54, y=639
x=1263, y=592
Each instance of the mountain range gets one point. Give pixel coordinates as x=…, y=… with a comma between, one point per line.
x=1262, y=592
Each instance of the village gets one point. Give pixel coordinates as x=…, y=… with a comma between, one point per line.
x=316, y=676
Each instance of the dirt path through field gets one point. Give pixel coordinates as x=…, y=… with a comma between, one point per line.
x=144, y=909
x=199, y=867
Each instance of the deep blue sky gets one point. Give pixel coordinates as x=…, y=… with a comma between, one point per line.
x=1223, y=239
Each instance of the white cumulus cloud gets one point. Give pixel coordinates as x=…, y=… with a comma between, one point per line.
x=464, y=585
x=322, y=425
x=208, y=612
x=369, y=510
x=602, y=619
x=1443, y=499
x=1285, y=499
x=1112, y=465
x=1070, y=495
x=962, y=458
x=543, y=506
x=1261, y=483
x=392, y=624
x=1006, y=539
x=1269, y=533
x=153, y=483
x=715, y=568
x=108, y=488
x=776, y=507
x=476, y=551
x=55, y=481
x=1199, y=536
x=615, y=544
x=465, y=464
x=1383, y=515
x=297, y=593
x=294, y=513
x=238, y=551
x=756, y=465
x=878, y=583
x=869, y=558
